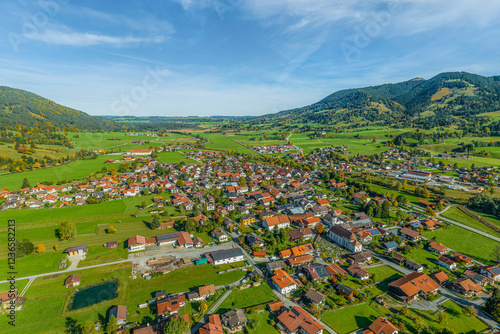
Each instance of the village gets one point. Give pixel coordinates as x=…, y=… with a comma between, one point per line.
x=304, y=234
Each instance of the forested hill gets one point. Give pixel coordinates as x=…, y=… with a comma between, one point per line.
x=27, y=109
x=446, y=99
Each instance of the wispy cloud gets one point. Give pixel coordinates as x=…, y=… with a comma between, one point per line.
x=52, y=37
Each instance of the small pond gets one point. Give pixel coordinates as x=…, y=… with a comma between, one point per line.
x=94, y=295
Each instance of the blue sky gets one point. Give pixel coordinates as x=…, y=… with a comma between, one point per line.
x=234, y=57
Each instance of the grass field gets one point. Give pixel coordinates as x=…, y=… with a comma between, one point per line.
x=218, y=141
x=263, y=326
x=247, y=297
x=73, y=171
x=175, y=158
x=350, y=318
x=466, y=242
x=384, y=273
x=455, y=214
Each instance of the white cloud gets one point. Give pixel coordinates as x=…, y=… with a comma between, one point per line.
x=53, y=37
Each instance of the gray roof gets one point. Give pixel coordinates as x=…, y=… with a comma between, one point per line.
x=226, y=254
x=234, y=317
x=168, y=236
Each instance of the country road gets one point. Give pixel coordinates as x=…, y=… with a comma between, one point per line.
x=438, y=215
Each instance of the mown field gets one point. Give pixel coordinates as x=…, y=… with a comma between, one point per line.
x=466, y=242
x=247, y=297
x=218, y=141
x=76, y=170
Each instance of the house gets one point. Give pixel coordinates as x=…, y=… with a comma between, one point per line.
x=478, y=278
x=120, y=313
x=296, y=320
x=358, y=272
x=296, y=261
x=437, y=248
x=391, y=246
x=214, y=325
x=275, y=307
x=226, y=256
x=315, y=297
x=447, y=263
x=280, y=221
x=76, y=250
x=254, y=240
x=283, y=282
x=300, y=234
x=206, y=291
x=414, y=266
x=136, y=243
x=160, y=294
x=466, y=287
x=297, y=250
x=315, y=271
x=248, y=219
x=463, y=260
x=344, y=238
x=492, y=272
x=398, y=258
x=73, y=280
x=335, y=270
x=360, y=258
x=413, y=286
x=170, y=305
x=440, y=277
x=220, y=235
x=344, y=290
x=410, y=234
x=234, y=320
x=381, y=326
x=275, y=265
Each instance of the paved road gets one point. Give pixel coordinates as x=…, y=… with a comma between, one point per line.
x=212, y=310
x=465, y=226
x=178, y=251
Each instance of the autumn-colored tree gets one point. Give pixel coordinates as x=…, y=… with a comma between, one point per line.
x=40, y=248
x=56, y=247
x=112, y=230
x=319, y=228
x=203, y=307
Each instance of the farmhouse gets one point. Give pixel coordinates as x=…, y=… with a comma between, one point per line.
x=136, y=243
x=413, y=286
x=214, y=325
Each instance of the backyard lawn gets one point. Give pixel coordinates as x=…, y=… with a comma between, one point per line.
x=350, y=318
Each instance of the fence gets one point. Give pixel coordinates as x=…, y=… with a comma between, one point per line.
x=477, y=217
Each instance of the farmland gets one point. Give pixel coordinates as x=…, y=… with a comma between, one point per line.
x=72, y=171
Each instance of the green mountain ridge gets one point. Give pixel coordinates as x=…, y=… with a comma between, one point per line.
x=446, y=99
x=28, y=109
